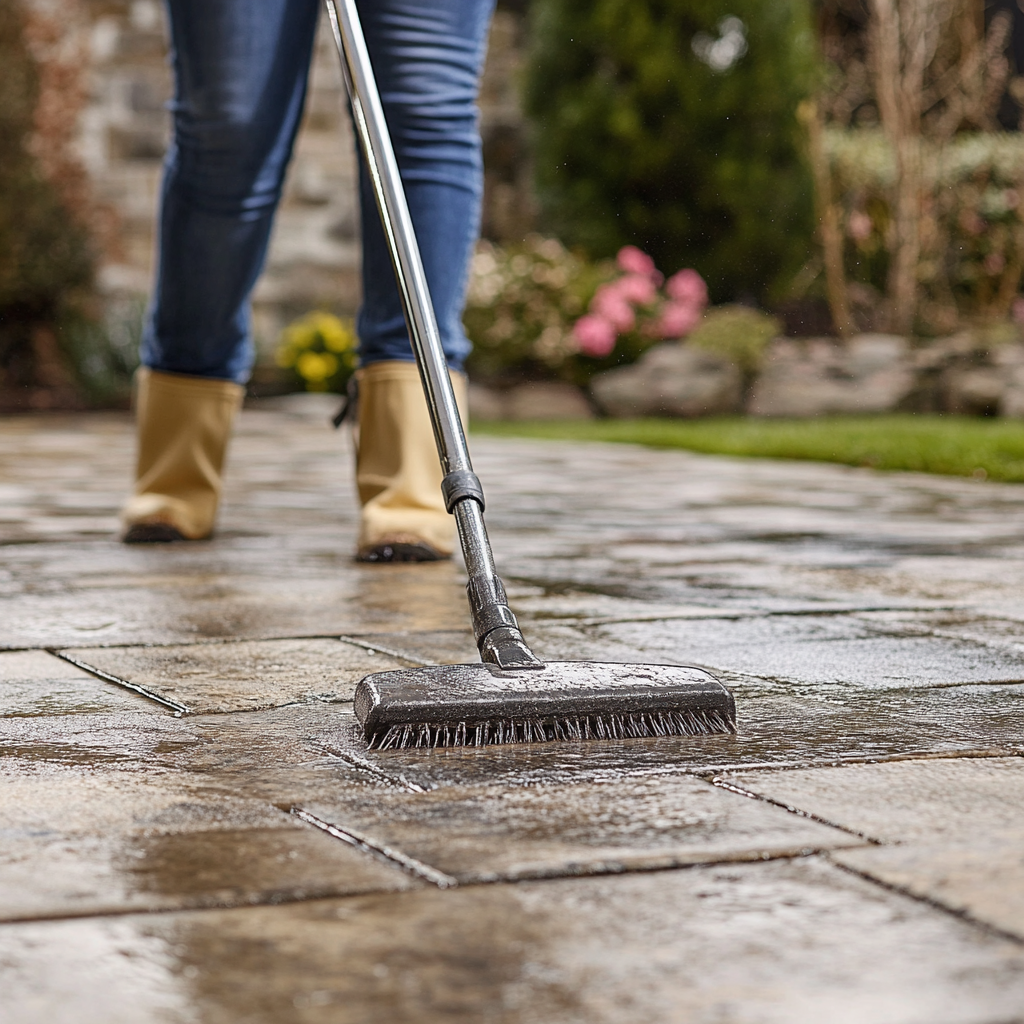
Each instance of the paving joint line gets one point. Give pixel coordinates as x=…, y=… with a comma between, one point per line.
x=278, y=900
x=378, y=649
x=220, y=641
x=365, y=765
x=930, y=901
x=108, y=677
x=752, y=614
x=395, y=857
x=751, y=795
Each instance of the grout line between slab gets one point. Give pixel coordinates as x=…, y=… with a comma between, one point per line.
x=930, y=901
x=107, y=677
x=213, y=641
x=365, y=765
x=278, y=900
x=751, y=795
x=391, y=652
x=394, y=857
x=726, y=614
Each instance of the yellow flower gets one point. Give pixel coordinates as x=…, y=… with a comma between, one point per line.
x=318, y=346
x=298, y=335
x=337, y=336
x=316, y=367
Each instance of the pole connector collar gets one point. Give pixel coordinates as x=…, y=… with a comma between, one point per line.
x=459, y=485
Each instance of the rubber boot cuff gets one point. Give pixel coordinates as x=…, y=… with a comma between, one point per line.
x=398, y=473
x=184, y=424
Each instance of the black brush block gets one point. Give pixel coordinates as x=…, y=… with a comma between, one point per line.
x=452, y=694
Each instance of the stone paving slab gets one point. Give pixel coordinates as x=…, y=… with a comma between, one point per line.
x=1001, y=634
x=250, y=597
x=816, y=650
x=795, y=654
x=36, y=683
x=246, y=676
x=959, y=825
x=79, y=843
x=794, y=942
x=906, y=801
x=131, y=739
x=492, y=833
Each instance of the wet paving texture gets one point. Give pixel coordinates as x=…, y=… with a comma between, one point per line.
x=193, y=830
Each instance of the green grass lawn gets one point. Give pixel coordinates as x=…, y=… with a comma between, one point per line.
x=990, y=449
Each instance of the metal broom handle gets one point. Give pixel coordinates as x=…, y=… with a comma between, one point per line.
x=462, y=491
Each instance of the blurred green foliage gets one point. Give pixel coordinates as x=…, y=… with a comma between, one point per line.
x=737, y=333
x=669, y=125
x=46, y=258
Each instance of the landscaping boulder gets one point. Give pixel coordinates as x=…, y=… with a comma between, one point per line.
x=485, y=404
x=973, y=390
x=1011, y=402
x=540, y=400
x=870, y=373
x=547, y=400
x=671, y=380
x=1010, y=361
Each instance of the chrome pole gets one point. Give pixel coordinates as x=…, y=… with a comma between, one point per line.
x=497, y=631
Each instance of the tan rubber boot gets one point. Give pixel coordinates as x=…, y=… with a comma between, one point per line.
x=183, y=428
x=397, y=469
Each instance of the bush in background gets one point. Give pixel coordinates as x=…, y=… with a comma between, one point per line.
x=738, y=334
x=671, y=124
x=972, y=226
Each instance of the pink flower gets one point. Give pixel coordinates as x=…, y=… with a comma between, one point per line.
x=641, y=291
x=859, y=226
x=594, y=335
x=972, y=222
x=1017, y=310
x=688, y=289
x=677, y=320
x=635, y=261
x=611, y=306
x=994, y=263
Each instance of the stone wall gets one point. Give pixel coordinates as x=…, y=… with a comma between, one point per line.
x=314, y=254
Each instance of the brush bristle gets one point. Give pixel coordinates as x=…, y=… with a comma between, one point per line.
x=536, y=730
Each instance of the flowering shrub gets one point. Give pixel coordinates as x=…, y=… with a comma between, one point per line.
x=972, y=223
x=539, y=310
x=321, y=349
x=521, y=305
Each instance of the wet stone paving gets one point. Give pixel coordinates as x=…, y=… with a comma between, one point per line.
x=193, y=830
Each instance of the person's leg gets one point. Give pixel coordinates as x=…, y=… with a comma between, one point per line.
x=240, y=72
x=427, y=57
x=240, y=82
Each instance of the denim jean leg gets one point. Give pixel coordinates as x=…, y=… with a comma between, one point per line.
x=427, y=57
x=240, y=71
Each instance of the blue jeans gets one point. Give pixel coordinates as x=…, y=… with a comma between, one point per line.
x=240, y=69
